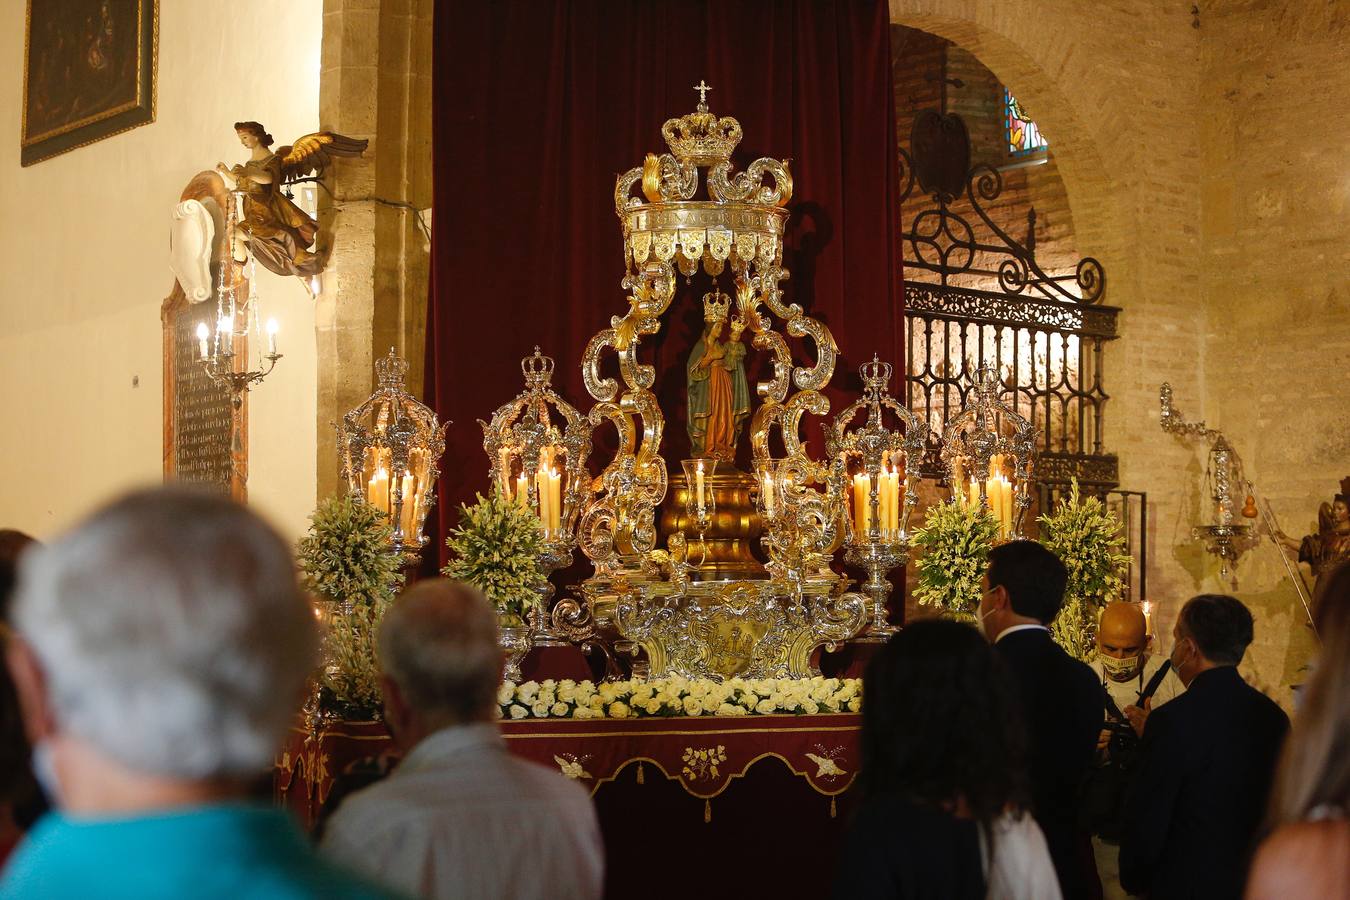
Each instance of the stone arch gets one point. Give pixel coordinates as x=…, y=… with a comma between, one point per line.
x=1101, y=213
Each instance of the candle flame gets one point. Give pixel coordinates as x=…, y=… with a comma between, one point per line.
x=202, y=331
x=272, y=327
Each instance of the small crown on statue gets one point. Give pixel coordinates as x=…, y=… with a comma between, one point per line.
x=391, y=370
x=538, y=369
x=875, y=376
x=700, y=137
x=716, y=307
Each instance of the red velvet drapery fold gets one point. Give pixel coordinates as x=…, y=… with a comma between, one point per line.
x=538, y=106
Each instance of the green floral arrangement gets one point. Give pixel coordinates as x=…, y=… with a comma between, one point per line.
x=345, y=561
x=955, y=539
x=676, y=696
x=496, y=548
x=1089, y=541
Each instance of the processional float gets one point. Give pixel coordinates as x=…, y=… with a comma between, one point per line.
x=705, y=605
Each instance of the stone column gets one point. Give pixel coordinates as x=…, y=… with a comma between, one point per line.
x=375, y=83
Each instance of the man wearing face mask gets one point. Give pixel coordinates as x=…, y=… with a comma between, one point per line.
x=1133, y=682
x=1205, y=764
x=1061, y=699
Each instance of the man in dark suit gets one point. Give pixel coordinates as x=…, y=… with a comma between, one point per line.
x=1206, y=764
x=1061, y=699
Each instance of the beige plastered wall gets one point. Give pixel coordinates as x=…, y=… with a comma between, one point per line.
x=1203, y=157
x=83, y=270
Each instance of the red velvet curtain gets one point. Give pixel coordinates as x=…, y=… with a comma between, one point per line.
x=538, y=106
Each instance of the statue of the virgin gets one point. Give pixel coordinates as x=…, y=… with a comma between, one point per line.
x=719, y=397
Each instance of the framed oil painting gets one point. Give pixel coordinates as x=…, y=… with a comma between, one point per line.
x=89, y=72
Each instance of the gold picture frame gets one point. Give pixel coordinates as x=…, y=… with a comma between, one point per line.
x=88, y=72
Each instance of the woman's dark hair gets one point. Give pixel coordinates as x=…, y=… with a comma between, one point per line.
x=941, y=725
x=256, y=129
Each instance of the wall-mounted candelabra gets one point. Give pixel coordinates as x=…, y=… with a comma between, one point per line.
x=1227, y=536
x=222, y=348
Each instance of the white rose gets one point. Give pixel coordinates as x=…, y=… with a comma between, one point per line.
x=527, y=691
x=809, y=707
x=608, y=693
x=854, y=705
x=652, y=706
x=585, y=691
x=726, y=709
x=748, y=700
x=517, y=711
x=539, y=710
x=548, y=684
x=693, y=706
x=831, y=705
x=766, y=707
x=567, y=691
x=505, y=693
x=597, y=702
x=618, y=710
x=582, y=712
x=559, y=709
x=546, y=696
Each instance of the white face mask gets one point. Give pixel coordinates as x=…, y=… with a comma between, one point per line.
x=1120, y=669
x=979, y=622
x=44, y=770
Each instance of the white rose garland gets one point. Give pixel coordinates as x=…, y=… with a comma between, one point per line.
x=678, y=697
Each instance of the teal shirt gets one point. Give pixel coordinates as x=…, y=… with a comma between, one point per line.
x=230, y=852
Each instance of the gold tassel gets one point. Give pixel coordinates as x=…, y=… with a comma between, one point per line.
x=642, y=778
x=707, y=811
x=833, y=811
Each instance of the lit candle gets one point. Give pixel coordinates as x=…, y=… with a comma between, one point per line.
x=545, y=495
x=893, y=523
x=1148, y=617
x=958, y=479
x=699, y=496
x=1007, y=506
x=379, y=491
x=884, y=498
x=522, y=489
x=768, y=494
x=405, y=515
x=554, y=500
x=862, y=506
x=272, y=329
x=202, y=335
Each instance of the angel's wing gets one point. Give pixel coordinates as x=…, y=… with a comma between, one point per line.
x=313, y=153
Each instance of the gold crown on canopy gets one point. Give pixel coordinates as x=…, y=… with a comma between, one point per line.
x=391, y=371
x=700, y=137
x=537, y=369
x=716, y=305
x=875, y=376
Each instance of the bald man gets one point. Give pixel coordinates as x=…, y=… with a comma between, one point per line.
x=461, y=817
x=1133, y=682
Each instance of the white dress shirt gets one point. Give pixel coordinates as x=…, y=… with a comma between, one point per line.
x=1020, y=866
x=1016, y=628
x=461, y=817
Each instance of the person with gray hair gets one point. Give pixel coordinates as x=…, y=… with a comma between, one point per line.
x=456, y=815
x=161, y=649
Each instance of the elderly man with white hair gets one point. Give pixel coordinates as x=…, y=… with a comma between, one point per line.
x=161, y=651
x=460, y=816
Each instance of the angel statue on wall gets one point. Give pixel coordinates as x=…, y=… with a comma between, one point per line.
x=1331, y=544
x=278, y=233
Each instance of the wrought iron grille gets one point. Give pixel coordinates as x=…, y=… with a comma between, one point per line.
x=974, y=295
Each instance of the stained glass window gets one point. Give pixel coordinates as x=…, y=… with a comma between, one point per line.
x=1023, y=135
